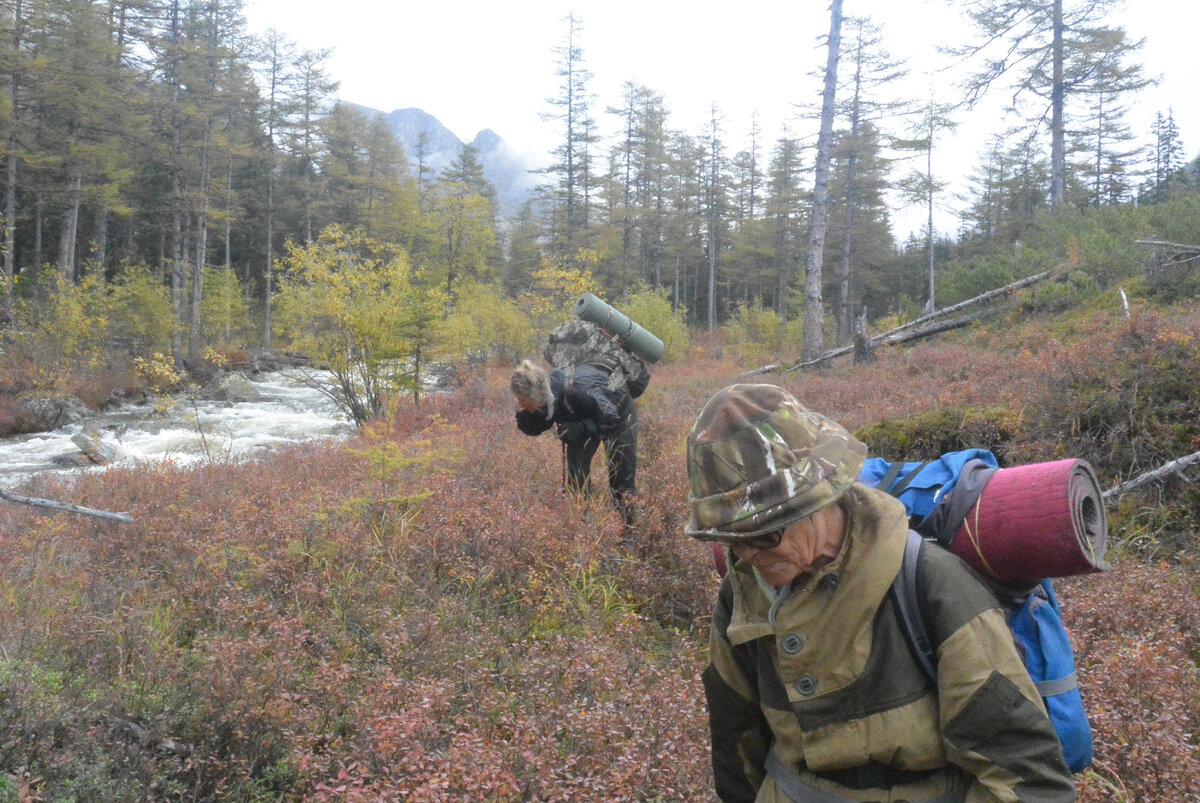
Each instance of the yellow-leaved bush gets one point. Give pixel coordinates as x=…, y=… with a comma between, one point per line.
x=357, y=308
x=485, y=325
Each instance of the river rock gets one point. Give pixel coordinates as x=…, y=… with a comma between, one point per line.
x=92, y=448
x=51, y=412
x=230, y=388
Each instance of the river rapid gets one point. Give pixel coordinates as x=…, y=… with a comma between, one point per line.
x=183, y=430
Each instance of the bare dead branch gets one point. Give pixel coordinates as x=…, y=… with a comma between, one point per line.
x=1163, y=471
x=65, y=507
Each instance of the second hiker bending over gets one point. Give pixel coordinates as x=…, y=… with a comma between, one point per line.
x=587, y=412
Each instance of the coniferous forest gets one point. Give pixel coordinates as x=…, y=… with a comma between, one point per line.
x=422, y=613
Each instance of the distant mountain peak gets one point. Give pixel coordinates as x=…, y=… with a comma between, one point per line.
x=503, y=167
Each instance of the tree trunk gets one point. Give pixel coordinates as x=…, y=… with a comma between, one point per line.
x=102, y=237
x=10, y=223
x=1057, y=145
x=270, y=253
x=39, y=208
x=70, y=228
x=931, y=305
x=176, y=193
x=844, y=311
x=201, y=253
x=814, y=316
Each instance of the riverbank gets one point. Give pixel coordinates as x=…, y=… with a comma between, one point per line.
x=234, y=417
x=32, y=405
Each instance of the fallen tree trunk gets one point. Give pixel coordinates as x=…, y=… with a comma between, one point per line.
x=893, y=336
x=1163, y=471
x=983, y=298
x=889, y=340
x=65, y=507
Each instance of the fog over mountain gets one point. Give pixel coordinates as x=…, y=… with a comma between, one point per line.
x=507, y=170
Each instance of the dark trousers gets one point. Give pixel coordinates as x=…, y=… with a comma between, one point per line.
x=621, y=451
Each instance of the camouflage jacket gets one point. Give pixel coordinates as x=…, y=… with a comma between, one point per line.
x=824, y=680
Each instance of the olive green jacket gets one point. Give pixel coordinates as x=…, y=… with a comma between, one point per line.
x=823, y=677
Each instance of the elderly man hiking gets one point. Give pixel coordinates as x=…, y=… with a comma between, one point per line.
x=813, y=692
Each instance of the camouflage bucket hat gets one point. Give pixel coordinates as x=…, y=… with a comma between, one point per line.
x=759, y=460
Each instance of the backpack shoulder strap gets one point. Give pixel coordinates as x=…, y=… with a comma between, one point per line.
x=907, y=603
x=901, y=486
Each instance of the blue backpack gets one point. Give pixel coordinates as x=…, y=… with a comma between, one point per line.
x=1034, y=616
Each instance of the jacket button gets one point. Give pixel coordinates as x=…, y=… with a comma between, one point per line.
x=830, y=582
x=806, y=685
x=792, y=643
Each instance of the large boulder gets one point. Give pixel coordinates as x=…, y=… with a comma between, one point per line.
x=51, y=412
x=230, y=388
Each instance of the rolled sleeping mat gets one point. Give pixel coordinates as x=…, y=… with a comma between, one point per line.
x=1034, y=521
x=631, y=336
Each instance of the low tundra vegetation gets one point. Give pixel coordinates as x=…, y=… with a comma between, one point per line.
x=422, y=614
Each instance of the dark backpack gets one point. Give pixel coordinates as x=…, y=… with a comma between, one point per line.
x=577, y=342
x=1033, y=615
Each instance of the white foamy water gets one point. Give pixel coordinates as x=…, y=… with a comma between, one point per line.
x=186, y=431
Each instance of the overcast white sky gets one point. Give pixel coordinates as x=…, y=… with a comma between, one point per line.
x=476, y=64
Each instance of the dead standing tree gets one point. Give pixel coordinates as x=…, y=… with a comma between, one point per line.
x=814, y=316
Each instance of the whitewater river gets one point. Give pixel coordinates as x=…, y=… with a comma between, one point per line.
x=185, y=431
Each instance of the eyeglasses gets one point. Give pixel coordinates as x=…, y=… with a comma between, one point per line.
x=764, y=541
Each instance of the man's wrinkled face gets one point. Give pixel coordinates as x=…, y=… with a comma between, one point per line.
x=527, y=405
x=805, y=545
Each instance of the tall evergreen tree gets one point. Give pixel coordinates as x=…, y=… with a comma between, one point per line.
x=18, y=69
x=786, y=207
x=463, y=213
x=1027, y=41
x=1103, y=78
x=570, y=173
x=922, y=186
x=274, y=57
x=1166, y=155
x=716, y=204
x=871, y=68
x=312, y=92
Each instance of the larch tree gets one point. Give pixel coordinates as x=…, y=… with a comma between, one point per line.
x=814, y=313
x=312, y=93
x=275, y=57
x=871, y=68
x=786, y=208
x=716, y=203
x=1021, y=42
x=18, y=70
x=922, y=186
x=570, y=172
x=1104, y=79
